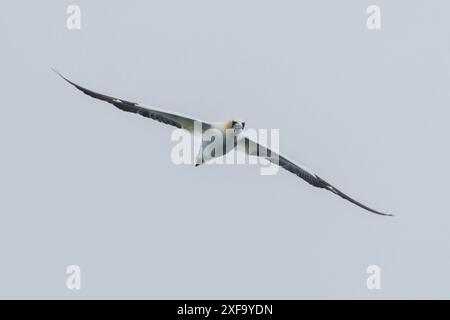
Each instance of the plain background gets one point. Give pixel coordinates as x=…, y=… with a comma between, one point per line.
x=84, y=183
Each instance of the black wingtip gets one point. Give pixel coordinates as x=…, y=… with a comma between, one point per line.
x=64, y=78
x=86, y=91
x=57, y=72
x=329, y=187
x=384, y=214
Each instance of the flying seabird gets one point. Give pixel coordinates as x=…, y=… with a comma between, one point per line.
x=234, y=126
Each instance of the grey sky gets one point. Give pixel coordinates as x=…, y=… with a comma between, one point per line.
x=83, y=183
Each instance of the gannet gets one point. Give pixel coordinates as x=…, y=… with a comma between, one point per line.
x=235, y=126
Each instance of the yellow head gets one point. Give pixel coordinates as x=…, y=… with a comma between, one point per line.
x=236, y=125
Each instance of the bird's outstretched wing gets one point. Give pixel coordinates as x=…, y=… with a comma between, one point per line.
x=167, y=117
x=255, y=149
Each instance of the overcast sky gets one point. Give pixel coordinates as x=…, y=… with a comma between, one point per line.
x=83, y=183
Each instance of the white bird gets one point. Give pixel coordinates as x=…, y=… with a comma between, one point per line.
x=234, y=126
